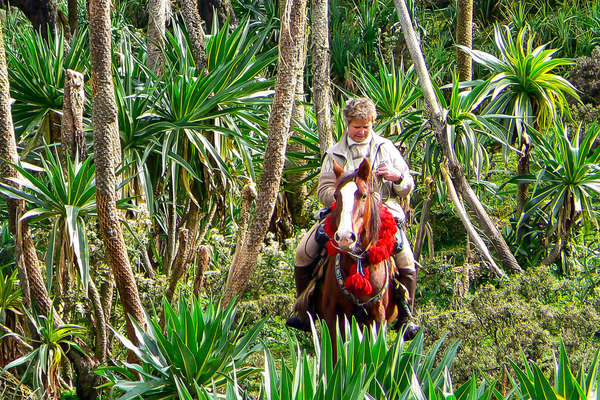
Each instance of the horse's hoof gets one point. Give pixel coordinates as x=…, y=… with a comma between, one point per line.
x=410, y=332
x=297, y=322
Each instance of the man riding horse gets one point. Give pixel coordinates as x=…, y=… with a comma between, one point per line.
x=392, y=181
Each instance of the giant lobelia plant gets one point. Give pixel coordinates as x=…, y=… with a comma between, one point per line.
x=198, y=350
x=526, y=87
x=567, y=182
x=46, y=351
x=63, y=198
x=395, y=92
x=369, y=366
x=37, y=76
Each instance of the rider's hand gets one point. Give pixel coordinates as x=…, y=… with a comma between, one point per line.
x=389, y=173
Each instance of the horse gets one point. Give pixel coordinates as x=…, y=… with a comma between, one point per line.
x=359, y=271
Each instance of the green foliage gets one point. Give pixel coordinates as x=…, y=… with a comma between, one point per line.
x=358, y=40
x=533, y=312
x=487, y=11
x=395, y=93
x=367, y=366
x=532, y=384
x=565, y=186
x=37, y=76
x=315, y=378
x=568, y=174
x=196, y=350
x=586, y=78
x=10, y=296
x=188, y=109
x=46, y=350
x=466, y=130
x=7, y=245
x=63, y=199
x=523, y=81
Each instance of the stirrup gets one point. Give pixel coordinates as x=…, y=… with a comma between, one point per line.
x=410, y=331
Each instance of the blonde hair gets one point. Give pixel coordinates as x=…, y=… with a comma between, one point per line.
x=360, y=107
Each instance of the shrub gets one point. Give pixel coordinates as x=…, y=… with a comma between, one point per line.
x=586, y=77
x=530, y=313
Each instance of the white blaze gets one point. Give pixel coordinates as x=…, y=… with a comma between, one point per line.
x=345, y=226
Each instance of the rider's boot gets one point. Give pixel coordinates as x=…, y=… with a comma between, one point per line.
x=405, y=280
x=300, y=319
x=405, y=300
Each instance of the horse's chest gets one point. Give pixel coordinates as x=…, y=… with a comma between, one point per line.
x=378, y=276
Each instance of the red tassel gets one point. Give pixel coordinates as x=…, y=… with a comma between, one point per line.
x=357, y=284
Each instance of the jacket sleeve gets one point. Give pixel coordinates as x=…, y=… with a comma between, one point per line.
x=327, y=181
x=407, y=184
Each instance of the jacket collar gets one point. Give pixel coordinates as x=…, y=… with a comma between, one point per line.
x=341, y=148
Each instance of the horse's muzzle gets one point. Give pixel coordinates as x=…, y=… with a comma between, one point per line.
x=345, y=240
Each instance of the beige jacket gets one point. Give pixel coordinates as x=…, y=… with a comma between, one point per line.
x=381, y=151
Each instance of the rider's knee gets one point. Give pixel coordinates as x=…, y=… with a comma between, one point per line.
x=310, y=246
x=405, y=259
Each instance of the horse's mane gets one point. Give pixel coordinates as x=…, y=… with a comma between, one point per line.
x=372, y=230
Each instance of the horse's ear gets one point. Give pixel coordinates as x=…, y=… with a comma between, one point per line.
x=364, y=170
x=338, y=169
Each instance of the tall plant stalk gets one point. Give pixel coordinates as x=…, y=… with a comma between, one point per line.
x=293, y=23
x=8, y=155
x=107, y=156
x=438, y=124
x=321, y=73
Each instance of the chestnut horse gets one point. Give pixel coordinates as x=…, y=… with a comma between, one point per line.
x=359, y=270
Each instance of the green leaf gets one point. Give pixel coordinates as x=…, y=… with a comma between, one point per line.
x=543, y=388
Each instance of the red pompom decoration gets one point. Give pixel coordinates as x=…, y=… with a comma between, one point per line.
x=358, y=284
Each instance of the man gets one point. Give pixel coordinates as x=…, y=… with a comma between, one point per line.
x=392, y=181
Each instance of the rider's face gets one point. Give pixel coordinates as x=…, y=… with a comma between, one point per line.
x=359, y=128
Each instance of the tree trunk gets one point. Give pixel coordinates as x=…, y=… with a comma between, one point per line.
x=107, y=290
x=73, y=10
x=203, y=259
x=104, y=118
x=43, y=14
x=507, y=258
x=72, y=136
x=248, y=196
x=32, y=282
x=321, y=73
x=425, y=213
x=523, y=169
x=293, y=22
x=464, y=36
x=179, y=264
x=99, y=322
x=54, y=123
x=157, y=16
x=439, y=128
x=193, y=23
x=464, y=217
x=11, y=346
x=172, y=224
x=8, y=152
x=296, y=191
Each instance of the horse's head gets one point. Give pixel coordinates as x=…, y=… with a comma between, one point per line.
x=356, y=214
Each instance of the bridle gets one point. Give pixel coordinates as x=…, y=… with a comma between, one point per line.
x=360, y=257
